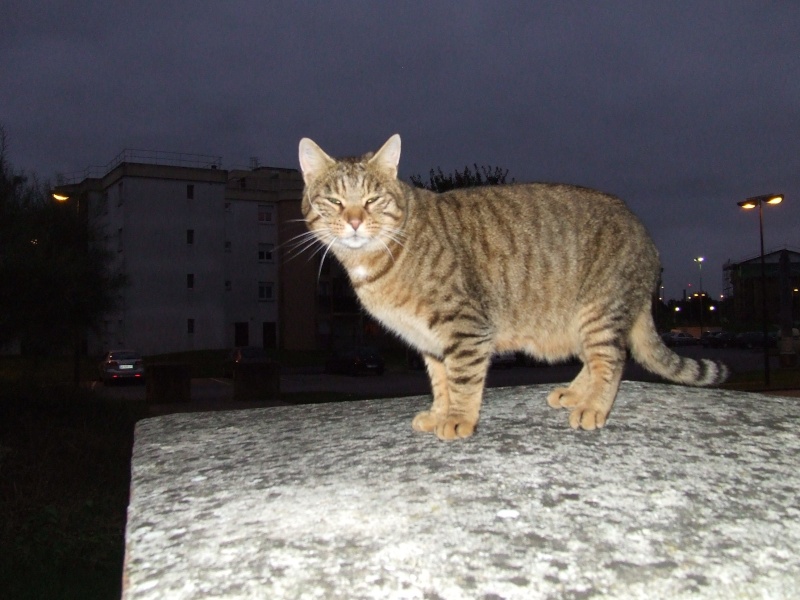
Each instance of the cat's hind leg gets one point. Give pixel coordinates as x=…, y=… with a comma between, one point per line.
x=590, y=406
x=563, y=397
x=590, y=396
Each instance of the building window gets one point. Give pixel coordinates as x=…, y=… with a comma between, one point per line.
x=119, y=194
x=190, y=326
x=190, y=281
x=265, y=291
x=190, y=236
x=190, y=192
x=119, y=239
x=227, y=207
x=228, y=246
x=228, y=286
x=265, y=213
x=104, y=204
x=265, y=252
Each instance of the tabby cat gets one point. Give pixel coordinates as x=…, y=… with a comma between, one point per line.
x=555, y=271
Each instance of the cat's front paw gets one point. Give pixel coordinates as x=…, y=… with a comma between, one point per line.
x=425, y=421
x=451, y=428
x=446, y=428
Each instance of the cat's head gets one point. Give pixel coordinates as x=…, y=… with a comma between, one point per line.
x=354, y=203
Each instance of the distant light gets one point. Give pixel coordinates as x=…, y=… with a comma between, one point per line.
x=699, y=259
x=60, y=197
x=775, y=200
x=747, y=204
x=677, y=309
x=712, y=308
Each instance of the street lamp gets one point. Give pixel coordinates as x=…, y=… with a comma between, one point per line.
x=699, y=260
x=758, y=201
x=63, y=198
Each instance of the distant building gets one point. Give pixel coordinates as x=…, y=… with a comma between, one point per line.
x=743, y=285
x=205, y=252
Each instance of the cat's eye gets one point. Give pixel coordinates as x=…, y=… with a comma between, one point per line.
x=371, y=200
x=335, y=201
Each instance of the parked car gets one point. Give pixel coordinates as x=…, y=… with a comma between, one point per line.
x=247, y=355
x=678, y=338
x=705, y=338
x=356, y=361
x=723, y=339
x=121, y=365
x=755, y=339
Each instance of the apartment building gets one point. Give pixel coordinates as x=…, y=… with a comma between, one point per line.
x=204, y=252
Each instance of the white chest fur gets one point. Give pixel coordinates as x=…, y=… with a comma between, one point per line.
x=413, y=328
x=359, y=273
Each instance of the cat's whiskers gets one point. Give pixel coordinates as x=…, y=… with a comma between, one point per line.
x=386, y=247
x=322, y=260
x=320, y=239
x=302, y=242
x=299, y=243
x=396, y=235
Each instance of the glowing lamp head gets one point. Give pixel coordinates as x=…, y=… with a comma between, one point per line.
x=758, y=200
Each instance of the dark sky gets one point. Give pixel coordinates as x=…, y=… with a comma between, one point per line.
x=682, y=108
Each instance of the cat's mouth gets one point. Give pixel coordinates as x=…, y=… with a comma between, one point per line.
x=354, y=241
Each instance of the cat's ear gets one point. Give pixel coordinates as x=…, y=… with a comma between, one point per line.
x=388, y=157
x=313, y=159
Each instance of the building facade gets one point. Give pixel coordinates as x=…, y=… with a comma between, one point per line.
x=204, y=253
x=743, y=285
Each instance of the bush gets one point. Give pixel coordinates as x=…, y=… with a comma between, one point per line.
x=64, y=479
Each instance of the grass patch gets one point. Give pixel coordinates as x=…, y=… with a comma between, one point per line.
x=203, y=363
x=210, y=363
x=64, y=480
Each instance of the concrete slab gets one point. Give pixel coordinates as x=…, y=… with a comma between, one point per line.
x=687, y=493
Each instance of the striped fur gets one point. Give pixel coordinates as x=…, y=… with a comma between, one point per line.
x=555, y=271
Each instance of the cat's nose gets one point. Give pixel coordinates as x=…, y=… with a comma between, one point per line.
x=354, y=223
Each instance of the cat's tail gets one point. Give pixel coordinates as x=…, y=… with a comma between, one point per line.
x=649, y=350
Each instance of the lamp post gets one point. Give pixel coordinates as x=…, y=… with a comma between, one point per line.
x=699, y=260
x=758, y=201
x=62, y=198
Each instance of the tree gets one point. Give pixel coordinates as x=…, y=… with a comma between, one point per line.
x=439, y=182
x=55, y=277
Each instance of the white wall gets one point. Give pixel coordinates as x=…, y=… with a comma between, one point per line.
x=154, y=214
